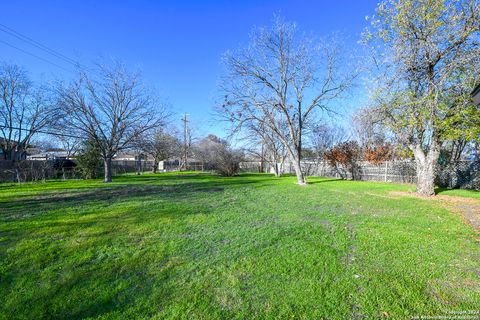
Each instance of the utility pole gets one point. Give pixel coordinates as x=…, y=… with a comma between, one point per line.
x=185, y=142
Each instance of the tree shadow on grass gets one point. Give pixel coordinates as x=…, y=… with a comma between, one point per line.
x=439, y=190
x=133, y=188
x=79, y=266
x=92, y=286
x=325, y=181
x=83, y=288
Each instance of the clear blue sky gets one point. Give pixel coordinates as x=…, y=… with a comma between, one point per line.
x=176, y=44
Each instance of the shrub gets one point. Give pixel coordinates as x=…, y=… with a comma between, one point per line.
x=227, y=162
x=378, y=154
x=88, y=160
x=219, y=156
x=344, y=155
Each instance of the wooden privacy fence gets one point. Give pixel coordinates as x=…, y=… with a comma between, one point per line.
x=391, y=171
x=26, y=170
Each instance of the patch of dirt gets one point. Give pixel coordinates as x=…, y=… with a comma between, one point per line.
x=315, y=219
x=378, y=195
x=468, y=207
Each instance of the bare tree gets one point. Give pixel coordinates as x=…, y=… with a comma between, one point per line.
x=218, y=155
x=70, y=143
x=324, y=136
x=279, y=81
x=113, y=111
x=161, y=145
x=264, y=144
x=369, y=129
x=423, y=51
x=24, y=110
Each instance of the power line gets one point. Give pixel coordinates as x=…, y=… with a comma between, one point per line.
x=34, y=55
x=44, y=132
x=42, y=47
x=37, y=44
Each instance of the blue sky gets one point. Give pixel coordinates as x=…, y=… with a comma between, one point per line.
x=176, y=44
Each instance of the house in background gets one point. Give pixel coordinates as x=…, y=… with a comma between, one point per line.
x=476, y=95
x=50, y=154
x=3, y=156
x=132, y=157
x=22, y=155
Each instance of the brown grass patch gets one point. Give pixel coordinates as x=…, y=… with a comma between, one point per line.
x=469, y=208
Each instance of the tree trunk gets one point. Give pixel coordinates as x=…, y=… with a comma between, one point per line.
x=298, y=171
x=107, y=163
x=262, y=157
x=138, y=166
x=276, y=169
x=17, y=174
x=297, y=162
x=425, y=178
x=426, y=168
x=155, y=166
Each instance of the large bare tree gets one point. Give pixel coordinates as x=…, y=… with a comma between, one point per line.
x=279, y=81
x=423, y=52
x=112, y=108
x=24, y=110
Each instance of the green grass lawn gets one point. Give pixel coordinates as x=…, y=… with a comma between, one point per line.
x=197, y=246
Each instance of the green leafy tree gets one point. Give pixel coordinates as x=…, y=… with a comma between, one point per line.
x=426, y=56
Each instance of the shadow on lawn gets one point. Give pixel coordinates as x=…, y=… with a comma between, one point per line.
x=109, y=238
x=440, y=190
x=325, y=181
x=107, y=282
x=169, y=187
x=53, y=237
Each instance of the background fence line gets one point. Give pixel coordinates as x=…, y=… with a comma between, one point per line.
x=462, y=174
x=37, y=170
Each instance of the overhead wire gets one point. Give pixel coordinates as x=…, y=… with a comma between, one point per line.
x=36, y=44
x=36, y=56
x=42, y=131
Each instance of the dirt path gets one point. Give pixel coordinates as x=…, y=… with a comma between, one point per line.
x=469, y=208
